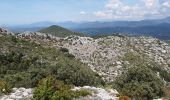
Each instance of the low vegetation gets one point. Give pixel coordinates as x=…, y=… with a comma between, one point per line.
x=141, y=80
x=54, y=71
x=136, y=59
x=51, y=89
x=140, y=83
x=24, y=63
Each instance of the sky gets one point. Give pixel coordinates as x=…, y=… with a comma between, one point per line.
x=30, y=11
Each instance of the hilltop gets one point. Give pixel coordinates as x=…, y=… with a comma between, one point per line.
x=59, y=31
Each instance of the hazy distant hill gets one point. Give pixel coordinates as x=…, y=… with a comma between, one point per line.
x=161, y=31
x=23, y=29
x=59, y=31
x=104, y=24
x=159, y=28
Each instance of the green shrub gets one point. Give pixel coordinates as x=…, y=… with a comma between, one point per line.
x=64, y=50
x=82, y=92
x=77, y=74
x=140, y=83
x=70, y=56
x=24, y=60
x=52, y=89
x=163, y=73
x=45, y=89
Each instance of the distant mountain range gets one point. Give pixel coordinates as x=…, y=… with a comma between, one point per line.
x=161, y=31
x=159, y=28
x=101, y=24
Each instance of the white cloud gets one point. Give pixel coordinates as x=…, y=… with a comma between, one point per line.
x=103, y=14
x=117, y=9
x=83, y=13
x=166, y=4
x=113, y=4
x=151, y=4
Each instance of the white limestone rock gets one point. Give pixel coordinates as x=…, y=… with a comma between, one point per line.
x=18, y=94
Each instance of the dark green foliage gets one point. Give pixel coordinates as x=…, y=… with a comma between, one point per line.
x=70, y=55
x=140, y=83
x=52, y=89
x=75, y=74
x=64, y=50
x=142, y=80
x=59, y=31
x=137, y=60
x=163, y=73
x=23, y=64
x=46, y=89
x=106, y=35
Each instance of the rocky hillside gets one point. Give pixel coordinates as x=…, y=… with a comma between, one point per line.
x=109, y=56
x=23, y=59
x=110, y=60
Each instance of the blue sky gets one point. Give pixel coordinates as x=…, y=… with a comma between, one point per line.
x=29, y=11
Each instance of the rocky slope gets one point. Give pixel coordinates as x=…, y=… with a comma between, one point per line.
x=106, y=55
x=5, y=32
x=18, y=94
x=97, y=94
x=109, y=56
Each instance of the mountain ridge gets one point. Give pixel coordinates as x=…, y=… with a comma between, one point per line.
x=155, y=27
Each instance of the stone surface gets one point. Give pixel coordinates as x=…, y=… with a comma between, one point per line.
x=103, y=55
x=98, y=93
x=18, y=94
x=4, y=31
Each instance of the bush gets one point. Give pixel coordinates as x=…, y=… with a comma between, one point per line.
x=140, y=83
x=77, y=74
x=4, y=87
x=70, y=56
x=167, y=93
x=45, y=89
x=82, y=92
x=30, y=61
x=52, y=89
x=64, y=50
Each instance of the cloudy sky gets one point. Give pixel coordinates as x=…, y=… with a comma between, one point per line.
x=29, y=11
